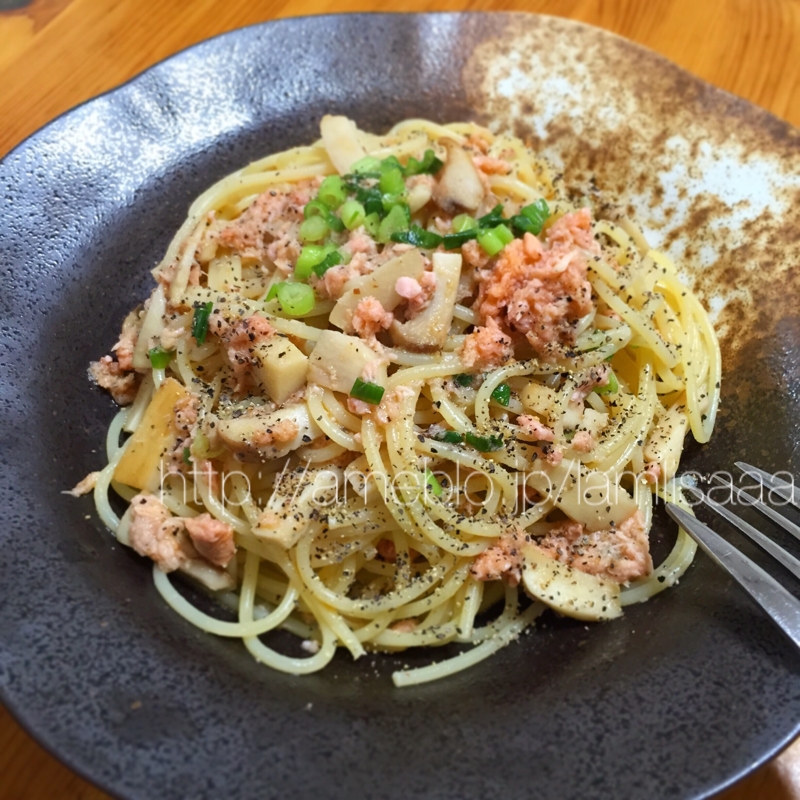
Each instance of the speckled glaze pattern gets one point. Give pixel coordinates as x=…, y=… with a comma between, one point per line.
x=677, y=699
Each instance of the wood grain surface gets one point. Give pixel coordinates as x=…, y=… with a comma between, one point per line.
x=55, y=54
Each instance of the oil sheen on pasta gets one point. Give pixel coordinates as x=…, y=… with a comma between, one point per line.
x=386, y=386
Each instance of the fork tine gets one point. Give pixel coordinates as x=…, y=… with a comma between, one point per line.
x=771, y=513
x=778, y=553
x=781, y=488
x=780, y=605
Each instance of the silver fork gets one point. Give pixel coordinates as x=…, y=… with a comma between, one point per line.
x=782, y=607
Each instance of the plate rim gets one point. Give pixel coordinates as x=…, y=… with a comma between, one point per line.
x=43, y=738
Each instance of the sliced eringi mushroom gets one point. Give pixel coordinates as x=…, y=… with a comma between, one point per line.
x=568, y=590
x=341, y=142
x=459, y=183
x=338, y=359
x=429, y=329
x=380, y=283
x=264, y=436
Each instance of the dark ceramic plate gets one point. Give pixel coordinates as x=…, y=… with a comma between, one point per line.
x=679, y=698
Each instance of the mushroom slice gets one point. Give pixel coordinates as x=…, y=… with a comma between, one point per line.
x=585, y=495
x=341, y=142
x=338, y=359
x=460, y=183
x=665, y=443
x=299, y=500
x=568, y=590
x=262, y=437
x=428, y=330
x=213, y=578
x=380, y=284
x=420, y=193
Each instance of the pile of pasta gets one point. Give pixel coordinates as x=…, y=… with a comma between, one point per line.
x=403, y=391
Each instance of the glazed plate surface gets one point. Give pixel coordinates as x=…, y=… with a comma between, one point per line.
x=677, y=699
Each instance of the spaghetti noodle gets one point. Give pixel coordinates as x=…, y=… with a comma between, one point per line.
x=386, y=384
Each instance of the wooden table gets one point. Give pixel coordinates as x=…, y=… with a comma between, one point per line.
x=57, y=53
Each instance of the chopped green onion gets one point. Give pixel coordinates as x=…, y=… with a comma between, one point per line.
x=610, y=387
x=334, y=223
x=523, y=225
x=432, y=483
x=418, y=237
x=451, y=437
x=503, y=233
x=484, y=444
x=429, y=165
x=366, y=164
x=315, y=208
x=309, y=257
x=272, y=293
x=201, y=447
x=332, y=259
x=352, y=214
x=352, y=179
x=452, y=241
x=332, y=191
x=494, y=217
x=392, y=182
x=373, y=203
x=187, y=456
x=371, y=199
x=200, y=444
x=313, y=229
x=372, y=224
x=390, y=162
x=463, y=379
x=368, y=392
x=295, y=299
x=537, y=213
x=502, y=394
x=394, y=222
x=159, y=357
x=200, y=321
x=490, y=242
x=389, y=201
x=464, y=222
